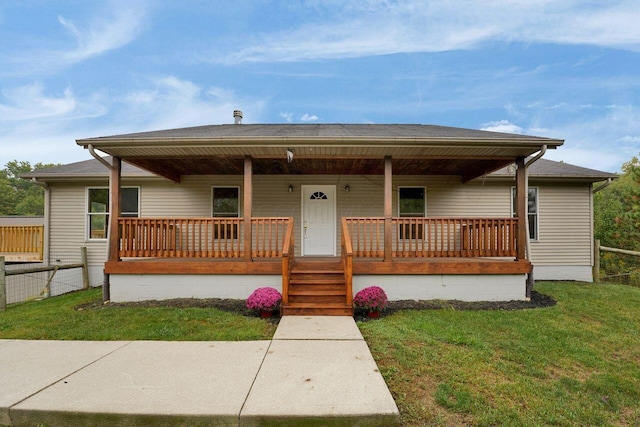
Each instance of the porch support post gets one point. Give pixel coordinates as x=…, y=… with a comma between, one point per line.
x=388, y=191
x=247, y=200
x=521, y=208
x=115, y=185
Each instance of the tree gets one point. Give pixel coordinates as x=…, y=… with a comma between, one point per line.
x=19, y=196
x=617, y=218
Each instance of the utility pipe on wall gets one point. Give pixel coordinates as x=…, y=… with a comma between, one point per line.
x=530, y=279
x=106, y=288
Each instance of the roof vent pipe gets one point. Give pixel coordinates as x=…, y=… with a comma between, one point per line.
x=237, y=117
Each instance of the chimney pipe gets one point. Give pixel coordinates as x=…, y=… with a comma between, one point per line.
x=237, y=117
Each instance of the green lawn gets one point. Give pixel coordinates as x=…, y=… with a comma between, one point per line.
x=57, y=319
x=574, y=364
x=577, y=363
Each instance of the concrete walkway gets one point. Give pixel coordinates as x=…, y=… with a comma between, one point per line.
x=316, y=371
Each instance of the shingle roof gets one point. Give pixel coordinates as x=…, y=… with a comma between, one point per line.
x=544, y=168
x=321, y=130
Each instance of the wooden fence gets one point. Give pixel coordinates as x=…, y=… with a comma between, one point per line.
x=596, y=257
x=4, y=273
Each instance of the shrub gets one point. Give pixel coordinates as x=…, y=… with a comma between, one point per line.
x=372, y=298
x=264, y=299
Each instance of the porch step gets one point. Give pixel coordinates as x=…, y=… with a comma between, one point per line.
x=317, y=309
x=317, y=288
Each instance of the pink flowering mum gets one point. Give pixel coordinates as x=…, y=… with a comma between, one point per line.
x=264, y=299
x=372, y=298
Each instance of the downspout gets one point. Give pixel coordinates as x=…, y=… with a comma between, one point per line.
x=47, y=218
x=603, y=186
x=106, y=285
x=530, y=279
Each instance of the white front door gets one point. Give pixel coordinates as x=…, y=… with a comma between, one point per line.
x=319, y=220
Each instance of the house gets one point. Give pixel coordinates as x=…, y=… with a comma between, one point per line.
x=320, y=211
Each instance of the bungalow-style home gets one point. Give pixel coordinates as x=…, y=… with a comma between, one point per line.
x=320, y=211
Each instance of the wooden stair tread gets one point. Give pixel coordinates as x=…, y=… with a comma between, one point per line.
x=315, y=305
x=317, y=292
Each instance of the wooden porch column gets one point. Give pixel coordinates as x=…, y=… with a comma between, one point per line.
x=247, y=200
x=388, y=191
x=115, y=185
x=521, y=208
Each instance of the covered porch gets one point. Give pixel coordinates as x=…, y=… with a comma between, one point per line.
x=387, y=246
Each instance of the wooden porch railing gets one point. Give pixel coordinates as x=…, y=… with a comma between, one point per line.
x=288, y=259
x=199, y=237
x=23, y=240
x=347, y=262
x=434, y=237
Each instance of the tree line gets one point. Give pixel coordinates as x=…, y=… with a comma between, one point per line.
x=617, y=221
x=19, y=196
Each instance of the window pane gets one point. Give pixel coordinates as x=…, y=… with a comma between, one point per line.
x=411, y=201
x=98, y=200
x=98, y=226
x=533, y=199
x=532, y=210
x=129, y=202
x=225, y=201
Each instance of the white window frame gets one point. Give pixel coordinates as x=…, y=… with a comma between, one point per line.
x=536, y=228
x=88, y=214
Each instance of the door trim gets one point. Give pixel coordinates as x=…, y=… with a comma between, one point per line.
x=319, y=187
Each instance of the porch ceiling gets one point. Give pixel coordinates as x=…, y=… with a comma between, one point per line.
x=174, y=168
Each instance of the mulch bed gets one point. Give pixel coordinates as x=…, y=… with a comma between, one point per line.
x=538, y=300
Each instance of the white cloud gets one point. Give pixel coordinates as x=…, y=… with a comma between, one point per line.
x=287, y=116
x=308, y=118
x=503, y=126
x=44, y=128
x=111, y=28
x=603, y=141
x=380, y=28
x=172, y=102
x=29, y=102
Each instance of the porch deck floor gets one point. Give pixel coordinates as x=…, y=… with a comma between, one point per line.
x=272, y=266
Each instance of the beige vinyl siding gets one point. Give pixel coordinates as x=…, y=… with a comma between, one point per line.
x=68, y=213
x=565, y=225
x=190, y=198
x=565, y=210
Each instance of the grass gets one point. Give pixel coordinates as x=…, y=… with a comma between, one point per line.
x=57, y=319
x=577, y=363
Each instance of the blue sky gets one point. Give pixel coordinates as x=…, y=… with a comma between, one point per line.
x=563, y=69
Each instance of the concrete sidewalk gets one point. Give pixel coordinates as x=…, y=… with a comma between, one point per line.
x=316, y=370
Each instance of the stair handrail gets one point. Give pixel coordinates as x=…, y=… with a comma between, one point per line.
x=347, y=261
x=288, y=259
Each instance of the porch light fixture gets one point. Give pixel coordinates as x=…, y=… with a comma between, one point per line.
x=290, y=188
x=347, y=188
x=289, y=155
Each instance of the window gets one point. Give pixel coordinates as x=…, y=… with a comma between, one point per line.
x=532, y=208
x=225, y=204
x=98, y=209
x=411, y=204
